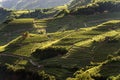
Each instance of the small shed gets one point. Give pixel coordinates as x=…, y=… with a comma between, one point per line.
x=41, y=30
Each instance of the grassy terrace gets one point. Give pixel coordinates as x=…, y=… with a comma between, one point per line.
x=15, y=28
x=52, y=25
x=80, y=21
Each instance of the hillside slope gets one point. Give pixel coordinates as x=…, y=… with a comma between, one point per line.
x=94, y=7
x=85, y=45
x=109, y=69
x=80, y=43
x=12, y=29
x=67, y=22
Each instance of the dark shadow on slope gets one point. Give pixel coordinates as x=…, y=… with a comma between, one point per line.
x=50, y=52
x=22, y=74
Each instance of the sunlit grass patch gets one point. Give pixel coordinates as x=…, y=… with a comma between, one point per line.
x=2, y=48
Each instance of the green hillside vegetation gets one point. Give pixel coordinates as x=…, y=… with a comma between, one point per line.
x=97, y=7
x=70, y=22
x=83, y=53
x=106, y=70
x=59, y=24
x=78, y=41
x=8, y=73
x=84, y=45
x=40, y=13
x=12, y=29
x=102, y=12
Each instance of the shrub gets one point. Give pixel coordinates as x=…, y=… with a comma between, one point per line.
x=25, y=35
x=48, y=52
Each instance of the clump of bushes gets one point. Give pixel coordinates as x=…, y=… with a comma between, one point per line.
x=49, y=52
x=82, y=76
x=111, y=40
x=114, y=77
x=23, y=74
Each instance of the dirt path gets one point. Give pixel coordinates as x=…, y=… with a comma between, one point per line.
x=23, y=57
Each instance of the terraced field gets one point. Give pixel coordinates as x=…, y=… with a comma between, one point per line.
x=80, y=21
x=84, y=45
x=77, y=41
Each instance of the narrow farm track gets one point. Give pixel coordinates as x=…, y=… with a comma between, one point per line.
x=22, y=57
